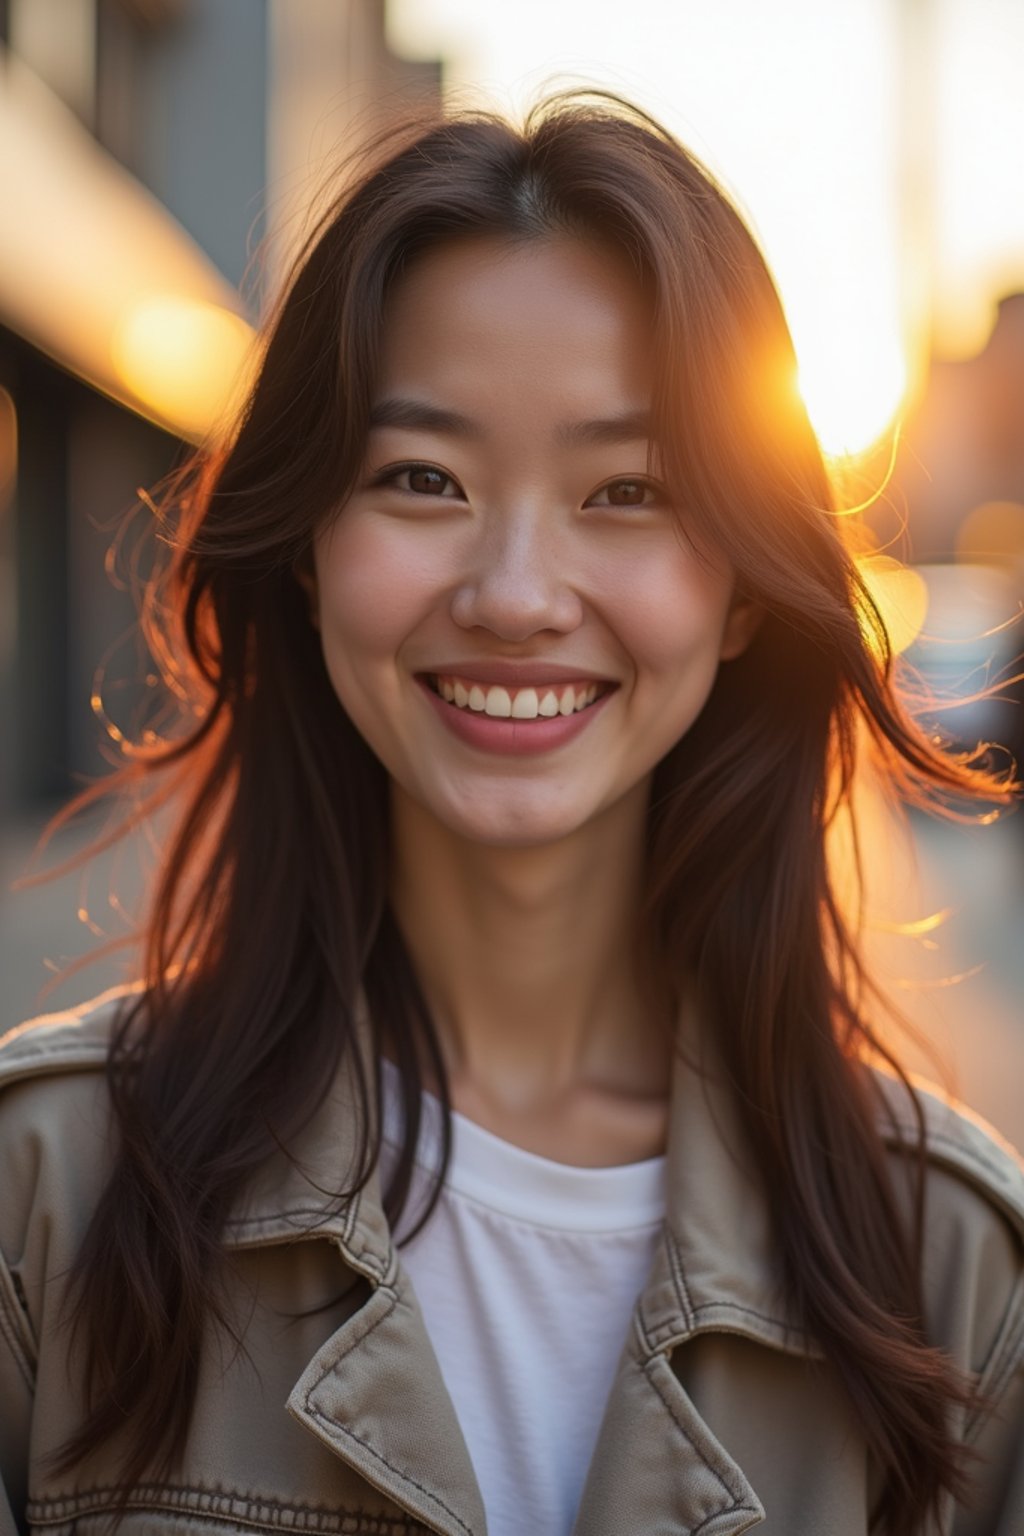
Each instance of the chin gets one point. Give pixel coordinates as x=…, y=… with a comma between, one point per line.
x=515, y=827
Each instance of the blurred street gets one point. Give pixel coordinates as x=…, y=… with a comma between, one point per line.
x=962, y=983
x=164, y=160
x=40, y=929
x=976, y=1022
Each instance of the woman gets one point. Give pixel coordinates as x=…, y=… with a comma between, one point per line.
x=523, y=667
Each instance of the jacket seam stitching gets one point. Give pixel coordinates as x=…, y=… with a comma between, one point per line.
x=692, y=1311
x=695, y=1448
x=204, y=1503
x=737, y=1508
x=764, y=1317
x=351, y=1435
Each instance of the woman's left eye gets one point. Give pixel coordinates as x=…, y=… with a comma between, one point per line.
x=630, y=493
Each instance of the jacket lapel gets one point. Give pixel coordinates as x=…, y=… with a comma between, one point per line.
x=373, y=1392
x=656, y=1466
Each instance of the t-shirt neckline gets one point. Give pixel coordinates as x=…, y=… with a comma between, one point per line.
x=524, y=1185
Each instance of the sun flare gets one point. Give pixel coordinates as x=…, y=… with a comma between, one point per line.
x=852, y=399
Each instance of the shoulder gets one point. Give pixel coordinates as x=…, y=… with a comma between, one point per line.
x=973, y=1239
x=53, y=1063
x=71, y=1040
x=959, y=1145
x=54, y=1121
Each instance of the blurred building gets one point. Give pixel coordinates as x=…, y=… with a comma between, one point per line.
x=166, y=135
x=963, y=449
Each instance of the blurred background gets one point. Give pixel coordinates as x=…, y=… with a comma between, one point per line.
x=159, y=160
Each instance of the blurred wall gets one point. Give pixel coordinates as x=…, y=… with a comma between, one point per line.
x=204, y=102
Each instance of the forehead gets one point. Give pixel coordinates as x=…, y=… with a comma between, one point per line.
x=484, y=321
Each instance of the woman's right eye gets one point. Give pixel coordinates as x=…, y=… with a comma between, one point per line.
x=423, y=479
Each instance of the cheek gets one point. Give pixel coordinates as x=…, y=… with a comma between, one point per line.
x=671, y=614
x=373, y=589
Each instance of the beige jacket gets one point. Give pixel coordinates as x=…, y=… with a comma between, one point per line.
x=722, y=1417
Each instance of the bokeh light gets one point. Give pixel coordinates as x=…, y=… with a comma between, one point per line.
x=185, y=360
x=901, y=596
x=851, y=406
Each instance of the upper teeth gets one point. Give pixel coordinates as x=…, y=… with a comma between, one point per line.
x=516, y=703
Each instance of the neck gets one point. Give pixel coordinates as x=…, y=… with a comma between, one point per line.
x=529, y=959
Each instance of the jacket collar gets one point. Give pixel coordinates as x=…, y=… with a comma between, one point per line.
x=717, y=1267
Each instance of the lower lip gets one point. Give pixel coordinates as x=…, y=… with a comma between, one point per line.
x=514, y=738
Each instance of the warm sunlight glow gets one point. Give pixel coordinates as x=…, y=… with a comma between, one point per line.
x=964, y=322
x=889, y=206
x=901, y=596
x=817, y=184
x=993, y=534
x=851, y=400
x=90, y=262
x=185, y=360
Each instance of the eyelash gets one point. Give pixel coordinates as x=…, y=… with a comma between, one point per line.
x=390, y=477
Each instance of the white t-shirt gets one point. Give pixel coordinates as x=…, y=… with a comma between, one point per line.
x=527, y=1274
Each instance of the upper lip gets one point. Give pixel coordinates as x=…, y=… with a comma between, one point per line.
x=515, y=674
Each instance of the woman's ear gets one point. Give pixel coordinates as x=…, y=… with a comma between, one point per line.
x=305, y=575
x=741, y=625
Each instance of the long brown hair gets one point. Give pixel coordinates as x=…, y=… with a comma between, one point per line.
x=271, y=914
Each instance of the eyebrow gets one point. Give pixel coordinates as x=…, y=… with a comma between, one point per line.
x=419, y=416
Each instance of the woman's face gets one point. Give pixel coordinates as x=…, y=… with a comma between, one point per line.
x=505, y=558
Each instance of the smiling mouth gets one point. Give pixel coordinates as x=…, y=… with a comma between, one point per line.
x=544, y=702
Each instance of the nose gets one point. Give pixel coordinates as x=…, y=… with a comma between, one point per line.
x=520, y=581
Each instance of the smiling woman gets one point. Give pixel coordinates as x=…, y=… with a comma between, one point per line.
x=494, y=1140
x=518, y=377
